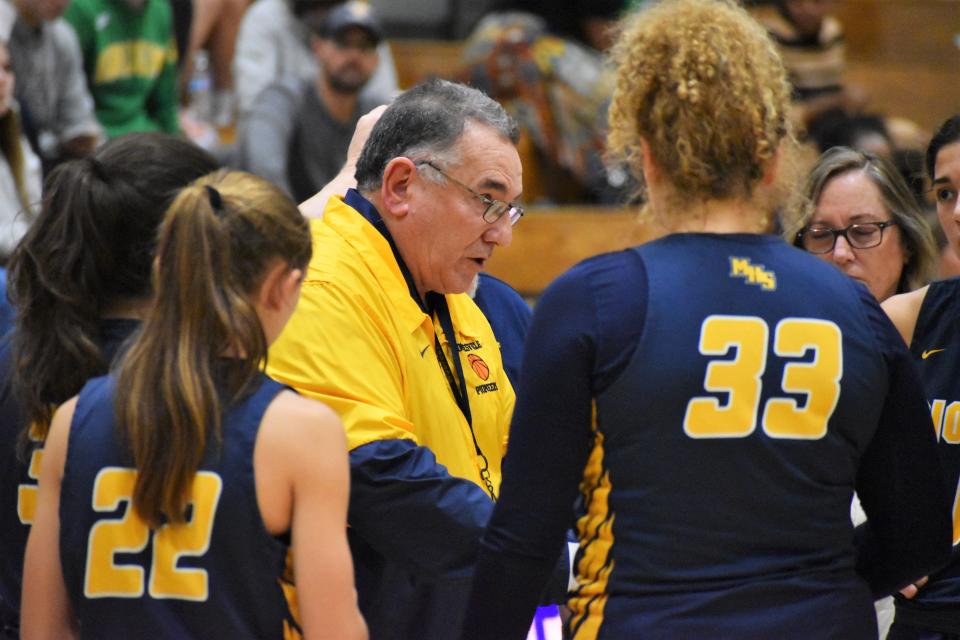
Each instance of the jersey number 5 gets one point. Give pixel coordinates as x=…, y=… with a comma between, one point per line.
x=103, y=578
x=740, y=378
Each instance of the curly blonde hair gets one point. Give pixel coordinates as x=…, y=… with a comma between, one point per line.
x=702, y=83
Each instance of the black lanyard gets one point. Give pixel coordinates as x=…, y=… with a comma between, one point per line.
x=436, y=303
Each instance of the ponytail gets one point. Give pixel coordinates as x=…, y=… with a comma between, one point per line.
x=56, y=284
x=215, y=244
x=91, y=245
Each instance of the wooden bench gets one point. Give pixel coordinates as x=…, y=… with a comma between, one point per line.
x=904, y=53
x=417, y=60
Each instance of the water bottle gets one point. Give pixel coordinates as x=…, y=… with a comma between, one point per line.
x=199, y=88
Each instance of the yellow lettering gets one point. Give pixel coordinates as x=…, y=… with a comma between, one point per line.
x=936, y=412
x=740, y=267
x=131, y=59
x=951, y=424
x=956, y=517
x=768, y=281
x=27, y=493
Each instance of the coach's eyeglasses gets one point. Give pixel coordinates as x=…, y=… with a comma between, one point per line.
x=494, y=208
x=861, y=235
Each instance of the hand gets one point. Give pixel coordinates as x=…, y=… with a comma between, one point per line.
x=361, y=133
x=911, y=590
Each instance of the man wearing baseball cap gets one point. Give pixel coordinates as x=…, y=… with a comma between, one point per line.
x=298, y=131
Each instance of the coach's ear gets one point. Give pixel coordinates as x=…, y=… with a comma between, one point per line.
x=399, y=176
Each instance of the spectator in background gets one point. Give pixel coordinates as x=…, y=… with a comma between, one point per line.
x=130, y=59
x=298, y=131
x=20, y=178
x=544, y=63
x=589, y=22
x=860, y=215
x=274, y=42
x=812, y=46
x=51, y=85
x=214, y=25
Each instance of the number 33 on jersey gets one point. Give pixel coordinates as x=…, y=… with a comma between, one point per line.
x=815, y=379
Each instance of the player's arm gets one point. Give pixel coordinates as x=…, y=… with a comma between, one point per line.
x=908, y=533
x=46, y=610
x=903, y=310
x=549, y=444
x=303, y=441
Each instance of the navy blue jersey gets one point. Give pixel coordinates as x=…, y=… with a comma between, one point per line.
x=20, y=466
x=717, y=399
x=509, y=317
x=936, y=347
x=217, y=576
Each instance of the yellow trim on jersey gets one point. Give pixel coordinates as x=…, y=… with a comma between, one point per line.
x=291, y=627
x=359, y=343
x=595, y=530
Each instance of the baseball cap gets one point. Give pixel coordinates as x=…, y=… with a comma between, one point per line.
x=353, y=14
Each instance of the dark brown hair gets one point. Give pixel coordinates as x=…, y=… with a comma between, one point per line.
x=947, y=133
x=91, y=245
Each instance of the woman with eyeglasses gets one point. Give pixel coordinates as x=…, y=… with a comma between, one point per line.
x=927, y=320
x=716, y=395
x=859, y=214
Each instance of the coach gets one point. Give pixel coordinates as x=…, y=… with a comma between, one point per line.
x=386, y=336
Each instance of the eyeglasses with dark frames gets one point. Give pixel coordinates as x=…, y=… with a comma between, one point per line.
x=494, y=208
x=860, y=235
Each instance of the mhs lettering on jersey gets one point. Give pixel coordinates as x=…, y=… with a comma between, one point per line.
x=753, y=273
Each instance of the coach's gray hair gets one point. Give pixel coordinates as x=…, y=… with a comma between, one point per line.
x=425, y=123
x=917, y=236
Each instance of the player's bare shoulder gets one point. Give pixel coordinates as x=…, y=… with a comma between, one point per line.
x=293, y=417
x=903, y=310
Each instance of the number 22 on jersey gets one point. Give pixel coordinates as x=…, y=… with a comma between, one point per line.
x=817, y=380
x=103, y=578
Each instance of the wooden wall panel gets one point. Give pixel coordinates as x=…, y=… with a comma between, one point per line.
x=547, y=242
